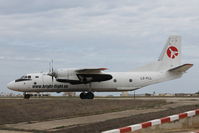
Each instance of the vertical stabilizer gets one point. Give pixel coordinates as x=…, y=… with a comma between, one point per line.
x=171, y=54
x=169, y=58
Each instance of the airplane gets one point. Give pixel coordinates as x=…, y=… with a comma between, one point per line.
x=90, y=80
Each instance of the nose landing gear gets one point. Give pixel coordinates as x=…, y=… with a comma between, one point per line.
x=88, y=95
x=26, y=96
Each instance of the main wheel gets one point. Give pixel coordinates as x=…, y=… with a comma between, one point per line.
x=26, y=96
x=90, y=95
x=83, y=95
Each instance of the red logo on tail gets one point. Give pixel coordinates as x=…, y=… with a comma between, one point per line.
x=172, y=52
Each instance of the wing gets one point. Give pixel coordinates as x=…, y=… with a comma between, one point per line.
x=84, y=76
x=91, y=70
x=87, y=78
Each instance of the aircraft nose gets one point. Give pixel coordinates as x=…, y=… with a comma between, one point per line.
x=10, y=85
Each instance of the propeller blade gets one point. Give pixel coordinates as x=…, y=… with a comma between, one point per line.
x=51, y=71
x=52, y=66
x=53, y=74
x=49, y=67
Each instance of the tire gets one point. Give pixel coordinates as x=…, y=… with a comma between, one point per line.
x=82, y=95
x=90, y=95
x=26, y=96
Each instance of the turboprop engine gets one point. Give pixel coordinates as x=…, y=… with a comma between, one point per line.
x=78, y=76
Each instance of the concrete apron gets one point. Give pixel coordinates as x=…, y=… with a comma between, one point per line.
x=186, y=123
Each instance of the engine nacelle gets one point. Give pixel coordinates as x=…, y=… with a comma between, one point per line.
x=72, y=76
x=69, y=74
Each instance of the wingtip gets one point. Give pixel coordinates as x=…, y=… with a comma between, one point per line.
x=103, y=69
x=188, y=64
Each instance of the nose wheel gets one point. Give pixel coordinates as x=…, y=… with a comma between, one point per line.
x=88, y=95
x=26, y=96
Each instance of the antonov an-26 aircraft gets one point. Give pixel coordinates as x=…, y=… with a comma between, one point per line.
x=90, y=80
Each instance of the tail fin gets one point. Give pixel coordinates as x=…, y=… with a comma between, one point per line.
x=171, y=54
x=169, y=58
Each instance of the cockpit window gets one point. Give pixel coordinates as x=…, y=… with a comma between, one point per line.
x=23, y=78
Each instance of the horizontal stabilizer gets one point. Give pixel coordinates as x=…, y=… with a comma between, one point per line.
x=182, y=68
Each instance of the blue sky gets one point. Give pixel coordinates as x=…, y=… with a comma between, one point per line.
x=116, y=34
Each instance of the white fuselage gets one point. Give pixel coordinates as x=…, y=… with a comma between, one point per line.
x=89, y=80
x=121, y=81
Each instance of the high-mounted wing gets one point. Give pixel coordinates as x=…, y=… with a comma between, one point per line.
x=84, y=76
x=92, y=75
x=91, y=70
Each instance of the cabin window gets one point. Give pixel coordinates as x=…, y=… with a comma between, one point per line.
x=36, y=76
x=130, y=80
x=114, y=80
x=25, y=77
x=35, y=83
x=29, y=76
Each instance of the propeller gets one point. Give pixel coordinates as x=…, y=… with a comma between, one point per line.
x=51, y=71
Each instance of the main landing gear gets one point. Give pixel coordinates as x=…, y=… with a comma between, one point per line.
x=26, y=96
x=88, y=95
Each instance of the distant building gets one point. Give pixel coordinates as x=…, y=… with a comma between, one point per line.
x=124, y=94
x=166, y=94
x=185, y=94
x=70, y=94
x=148, y=94
x=39, y=94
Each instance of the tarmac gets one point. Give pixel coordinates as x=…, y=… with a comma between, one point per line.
x=63, y=123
